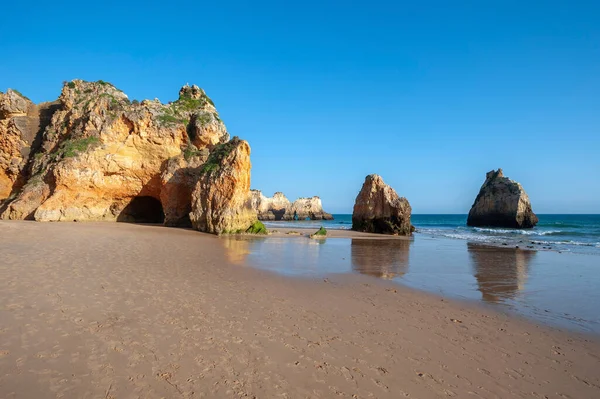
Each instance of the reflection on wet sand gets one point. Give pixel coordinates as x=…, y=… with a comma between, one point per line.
x=282, y=254
x=500, y=272
x=237, y=249
x=380, y=258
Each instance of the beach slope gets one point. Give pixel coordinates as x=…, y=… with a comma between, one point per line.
x=112, y=310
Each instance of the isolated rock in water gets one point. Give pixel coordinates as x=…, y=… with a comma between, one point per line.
x=279, y=207
x=378, y=209
x=221, y=201
x=501, y=202
x=95, y=155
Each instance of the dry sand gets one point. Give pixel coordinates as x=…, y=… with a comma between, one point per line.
x=103, y=310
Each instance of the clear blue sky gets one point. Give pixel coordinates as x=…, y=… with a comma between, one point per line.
x=431, y=95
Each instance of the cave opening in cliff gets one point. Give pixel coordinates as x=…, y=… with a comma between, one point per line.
x=142, y=209
x=278, y=213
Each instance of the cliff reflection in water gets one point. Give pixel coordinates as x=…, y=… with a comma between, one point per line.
x=287, y=255
x=236, y=249
x=501, y=273
x=380, y=258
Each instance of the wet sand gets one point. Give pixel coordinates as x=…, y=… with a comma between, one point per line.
x=126, y=311
x=290, y=232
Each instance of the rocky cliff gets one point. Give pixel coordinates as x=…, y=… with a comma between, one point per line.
x=501, y=202
x=20, y=122
x=95, y=155
x=279, y=207
x=379, y=209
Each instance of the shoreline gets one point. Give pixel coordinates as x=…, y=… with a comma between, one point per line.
x=331, y=233
x=108, y=309
x=560, y=233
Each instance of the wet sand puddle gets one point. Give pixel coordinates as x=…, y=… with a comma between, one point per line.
x=553, y=288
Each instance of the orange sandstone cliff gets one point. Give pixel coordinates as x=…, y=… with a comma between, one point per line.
x=95, y=155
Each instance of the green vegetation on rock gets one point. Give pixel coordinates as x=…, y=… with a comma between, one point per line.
x=73, y=147
x=218, y=154
x=321, y=232
x=168, y=119
x=257, y=228
x=189, y=103
x=21, y=94
x=192, y=151
x=203, y=118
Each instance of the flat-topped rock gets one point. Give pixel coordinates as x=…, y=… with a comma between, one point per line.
x=501, y=202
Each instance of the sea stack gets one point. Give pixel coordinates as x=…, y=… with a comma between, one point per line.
x=379, y=209
x=501, y=202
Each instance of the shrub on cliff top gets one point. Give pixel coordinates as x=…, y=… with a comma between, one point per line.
x=257, y=228
x=20, y=94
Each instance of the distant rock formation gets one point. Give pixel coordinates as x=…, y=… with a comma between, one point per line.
x=95, y=155
x=279, y=207
x=501, y=202
x=221, y=201
x=378, y=209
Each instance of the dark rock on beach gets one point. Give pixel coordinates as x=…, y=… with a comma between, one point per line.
x=379, y=209
x=501, y=202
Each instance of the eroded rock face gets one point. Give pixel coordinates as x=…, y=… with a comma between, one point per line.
x=221, y=200
x=178, y=182
x=19, y=125
x=501, y=202
x=378, y=209
x=279, y=207
x=100, y=153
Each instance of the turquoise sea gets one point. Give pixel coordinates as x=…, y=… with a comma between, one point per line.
x=564, y=233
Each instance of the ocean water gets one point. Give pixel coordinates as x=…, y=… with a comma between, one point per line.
x=563, y=233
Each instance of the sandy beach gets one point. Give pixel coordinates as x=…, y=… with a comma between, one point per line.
x=112, y=310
